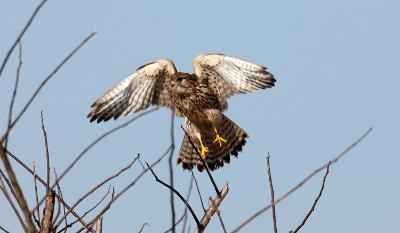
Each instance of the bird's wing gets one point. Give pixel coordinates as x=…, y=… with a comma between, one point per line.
x=228, y=75
x=137, y=91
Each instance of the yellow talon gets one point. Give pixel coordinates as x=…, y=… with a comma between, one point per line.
x=204, y=150
x=218, y=138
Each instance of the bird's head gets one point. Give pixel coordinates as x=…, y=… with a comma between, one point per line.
x=181, y=83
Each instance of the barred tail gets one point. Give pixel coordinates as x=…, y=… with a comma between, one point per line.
x=218, y=155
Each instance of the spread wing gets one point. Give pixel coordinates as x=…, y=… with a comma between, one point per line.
x=137, y=91
x=228, y=75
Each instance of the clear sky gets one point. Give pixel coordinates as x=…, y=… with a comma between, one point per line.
x=336, y=65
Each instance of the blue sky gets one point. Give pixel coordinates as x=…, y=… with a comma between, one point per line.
x=336, y=65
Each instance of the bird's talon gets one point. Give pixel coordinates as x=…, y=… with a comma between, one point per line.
x=204, y=150
x=219, y=139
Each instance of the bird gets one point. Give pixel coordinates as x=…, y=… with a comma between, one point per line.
x=200, y=98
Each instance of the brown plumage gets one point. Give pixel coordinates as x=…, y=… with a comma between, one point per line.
x=200, y=98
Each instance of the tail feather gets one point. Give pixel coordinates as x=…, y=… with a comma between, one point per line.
x=218, y=155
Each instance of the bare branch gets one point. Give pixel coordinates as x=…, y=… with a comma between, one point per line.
x=185, y=215
x=18, y=191
x=222, y=222
x=99, y=225
x=171, y=171
x=39, y=88
x=301, y=183
x=198, y=191
x=101, y=137
x=95, y=188
x=102, y=212
x=4, y=191
x=179, y=195
x=46, y=145
x=21, y=35
x=87, y=212
x=204, y=163
x=36, y=192
x=43, y=183
x=315, y=201
x=47, y=223
x=212, y=209
x=271, y=186
x=3, y=229
x=14, y=95
x=144, y=224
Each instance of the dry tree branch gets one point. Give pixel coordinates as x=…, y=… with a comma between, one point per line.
x=301, y=183
x=221, y=222
x=271, y=186
x=204, y=163
x=185, y=215
x=47, y=223
x=95, y=188
x=46, y=145
x=315, y=201
x=17, y=189
x=198, y=191
x=144, y=224
x=84, y=215
x=36, y=194
x=171, y=171
x=212, y=209
x=101, y=137
x=43, y=83
x=14, y=95
x=59, y=204
x=178, y=194
x=4, y=191
x=43, y=183
x=21, y=35
x=99, y=225
x=102, y=212
x=3, y=229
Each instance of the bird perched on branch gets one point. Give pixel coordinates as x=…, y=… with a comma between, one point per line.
x=201, y=98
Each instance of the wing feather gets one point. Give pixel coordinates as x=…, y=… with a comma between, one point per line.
x=228, y=75
x=138, y=91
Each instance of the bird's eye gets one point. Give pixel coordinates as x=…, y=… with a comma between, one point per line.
x=179, y=79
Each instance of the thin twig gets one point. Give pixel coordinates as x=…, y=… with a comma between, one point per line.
x=14, y=94
x=87, y=212
x=3, y=229
x=36, y=191
x=21, y=34
x=4, y=191
x=204, y=163
x=144, y=224
x=46, y=146
x=44, y=184
x=185, y=215
x=271, y=186
x=17, y=190
x=198, y=191
x=92, y=144
x=43, y=83
x=171, y=172
x=176, y=223
x=179, y=195
x=221, y=222
x=301, y=183
x=96, y=187
x=102, y=212
x=315, y=201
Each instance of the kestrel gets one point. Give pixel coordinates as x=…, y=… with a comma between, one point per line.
x=200, y=98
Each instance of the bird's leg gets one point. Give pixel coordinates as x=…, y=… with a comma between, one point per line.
x=204, y=149
x=218, y=138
